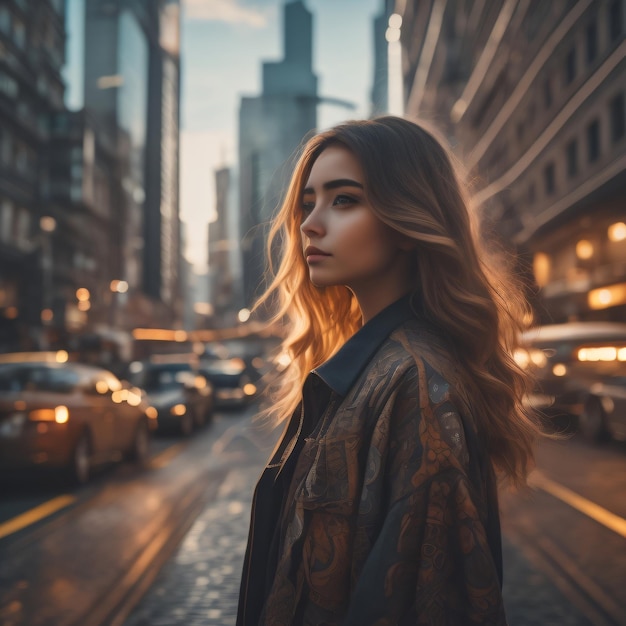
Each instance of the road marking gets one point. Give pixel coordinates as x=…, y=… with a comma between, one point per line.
x=36, y=514
x=611, y=521
x=163, y=458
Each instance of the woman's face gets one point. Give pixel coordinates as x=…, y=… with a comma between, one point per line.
x=344, y=243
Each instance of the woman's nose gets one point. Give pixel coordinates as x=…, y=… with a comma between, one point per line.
x=312, y=224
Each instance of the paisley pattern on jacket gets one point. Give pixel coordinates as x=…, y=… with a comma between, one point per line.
x=385, y=520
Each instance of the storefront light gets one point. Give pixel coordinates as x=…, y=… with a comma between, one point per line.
x=605, y=297
x=584, y=249
x=617, y=231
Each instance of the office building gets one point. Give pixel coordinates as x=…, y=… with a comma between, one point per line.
x=271, y=128
x=531, y=95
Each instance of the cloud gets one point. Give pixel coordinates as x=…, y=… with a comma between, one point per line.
x=224, y=11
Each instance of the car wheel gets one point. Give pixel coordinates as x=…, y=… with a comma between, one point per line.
x=186, y=424
x=80, y=465
x=140, y=448
x=592, y=421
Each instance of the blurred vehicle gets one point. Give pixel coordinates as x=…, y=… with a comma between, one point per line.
x=581, y=371
x=182, y=397
x=231, y=379
x=67, y=415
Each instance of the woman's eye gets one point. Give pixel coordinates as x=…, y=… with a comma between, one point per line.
x=344, y=200
x=307, y=207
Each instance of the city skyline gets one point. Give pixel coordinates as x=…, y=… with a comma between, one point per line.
x=248, y=33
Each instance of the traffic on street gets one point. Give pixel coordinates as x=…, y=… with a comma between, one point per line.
x=164, y=544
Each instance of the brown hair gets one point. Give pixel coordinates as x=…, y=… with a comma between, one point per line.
x=411, y=185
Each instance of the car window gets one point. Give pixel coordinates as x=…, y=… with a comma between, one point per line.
x=38, y=378
x=170, y=376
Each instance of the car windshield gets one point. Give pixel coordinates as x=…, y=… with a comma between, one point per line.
x=164, y=377
x=15, y=378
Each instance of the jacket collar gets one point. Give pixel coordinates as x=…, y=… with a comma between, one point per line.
x=341, y=370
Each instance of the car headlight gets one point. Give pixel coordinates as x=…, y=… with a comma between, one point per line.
x=59, y=414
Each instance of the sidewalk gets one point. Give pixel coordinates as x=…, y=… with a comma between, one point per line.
x=200, y=584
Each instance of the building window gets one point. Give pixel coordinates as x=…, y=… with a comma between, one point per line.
x=19, y=33
x=570, y=66
x=592, y=41
x=618, y=124
x=8, y=86
x=6, y=221
x=593, y=141
x=547, y=93
x=549, y=180
x=5, y=20
x=615, y=19
x=572, y=158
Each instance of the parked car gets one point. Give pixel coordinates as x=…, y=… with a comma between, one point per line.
x=70, y=416
x=182, y=397
x=232, y=382
x=581, y=371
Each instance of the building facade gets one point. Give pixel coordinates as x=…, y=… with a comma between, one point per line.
x=32, y=52
x=132, y=88
x=531, y=96
x=271, y=128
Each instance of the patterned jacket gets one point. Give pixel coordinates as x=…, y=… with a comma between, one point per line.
x=387, y=511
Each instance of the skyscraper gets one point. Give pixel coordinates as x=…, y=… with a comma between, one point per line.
x=271, y=128
x=132, y=87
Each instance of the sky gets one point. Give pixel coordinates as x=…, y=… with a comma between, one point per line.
x=223, y=44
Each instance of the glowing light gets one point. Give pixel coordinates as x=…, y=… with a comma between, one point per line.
x=101, y=387
x=604, y=297
x=392, y=35
x=47, y=224
x=600, y=353
x=82, y=294
x=152, y=413
x=395, y=20
x=584, y=249
x=180, y=335
x=617, y=231
x=134, y=399
x=42, y=415
x=11, y=312
x=541, y=268
x=61, y=414
x=559, y=369
x=178, y=409
x=283, y=360
x=243, y=315
x=84, y=305
x=249, y=389
x=47, y=315
x=118, y=286
x=61, y=356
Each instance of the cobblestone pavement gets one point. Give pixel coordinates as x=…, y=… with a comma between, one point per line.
x=199, y=586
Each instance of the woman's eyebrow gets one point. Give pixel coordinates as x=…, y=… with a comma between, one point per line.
x=334, y=184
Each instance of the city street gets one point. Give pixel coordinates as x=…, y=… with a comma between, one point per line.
x=164, y=546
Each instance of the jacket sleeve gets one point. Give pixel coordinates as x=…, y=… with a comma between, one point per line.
x=429, y=560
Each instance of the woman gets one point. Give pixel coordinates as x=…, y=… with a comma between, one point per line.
x=401, y=400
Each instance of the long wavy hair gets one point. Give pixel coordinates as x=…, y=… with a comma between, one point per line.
x=412, y=186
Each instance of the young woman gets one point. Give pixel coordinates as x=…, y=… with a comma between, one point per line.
x=401, y=401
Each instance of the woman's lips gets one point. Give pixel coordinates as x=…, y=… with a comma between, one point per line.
x=313, y=255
